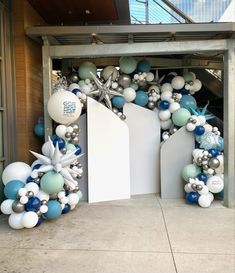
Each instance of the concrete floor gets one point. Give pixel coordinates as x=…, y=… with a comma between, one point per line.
x=141, y=235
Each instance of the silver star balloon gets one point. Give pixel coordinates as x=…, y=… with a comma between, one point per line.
x=104, y=91
x=58, y=162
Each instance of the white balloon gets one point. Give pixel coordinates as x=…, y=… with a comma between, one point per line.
x=64, y=200
x=202, y=120
x=190, y=127
x=188, y=188
x=85, y=89
x=43, y=195
x=166, y=124
x=73, y=86
x=204, y=201
x=164, y=115
x=6, y=206
x=35, y=163
x=178, y=82
x=197, y=85
x=208, y=128
x=204, y=190
x=32, y=187
x=15, y=220
x=220, y=169
x=129, y=94
x=166, y=87
x=61, y=130
x=154, y=88
x=64, y=107
x=174, y=106
x=211, y=196
x=29, y=219
x=22, y=192
x=24, y=199
x=149, y=77
x=16, y=171
x=46, y=148
x=73, y=199
x=44, y=208
x=166, y=95
x=108, y=71
x=215, y=184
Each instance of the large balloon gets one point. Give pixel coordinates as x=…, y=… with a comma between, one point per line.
x=141, y=98
x=215, y=184
x=178, y=82
x=15, y=220
x=188, y=102
x=190, y=171
x=118, y=101
x=143, y=66
x=52, y=182
x=127, y=64
x=6, y=206
x=11, y=189
x=30, y=219
x=64, y=107
x=180, y=117
x=85, y=69
x=129, y=94
x=188, y=76
x=54, y=209
x=108, y=71
x=124, y=80
x=16, y=171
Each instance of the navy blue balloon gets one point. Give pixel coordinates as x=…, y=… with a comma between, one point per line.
x=183, y=91
x=199, y=130
x=39, y=129
x=40, y=220
x=66, y=209
x=61, y=142
x=202, y=177
x=164, y=104
x=192, y=197
x=37, y=166
x=79, y=150
x=168, y=78
x=30, y=179
x=143, y=66
x=76, y=90
x=214, y=152
x=33, y=204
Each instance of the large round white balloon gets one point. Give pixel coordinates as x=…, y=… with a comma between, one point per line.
x=178, y=82
x=46, y=149
x=61, y=130
x=166, y=87
x=204, y=201
x=174, y=106
x=43, y=195
x=166, y=95
x=73, y=199
x=220, y=169
x=129, y=94
x=64, y=107
x=108, y=71
x=166, y=124
x=16, y=171
x=164, y=115
x=215, y=184
x=32, y=187
x=6, y=206
x=29, y=219
x=197, y=85
x=15, y=220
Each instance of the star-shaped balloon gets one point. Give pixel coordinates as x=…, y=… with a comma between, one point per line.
x=59, y=163
x=104, y=91
x=202, y=112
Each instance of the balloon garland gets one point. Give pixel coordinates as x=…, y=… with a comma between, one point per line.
x=49, y=187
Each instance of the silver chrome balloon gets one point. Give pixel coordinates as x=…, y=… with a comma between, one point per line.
x=214, y=163
x=124, y=80
x=17, y=206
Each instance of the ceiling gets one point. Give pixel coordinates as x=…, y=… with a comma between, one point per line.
x=82, y=12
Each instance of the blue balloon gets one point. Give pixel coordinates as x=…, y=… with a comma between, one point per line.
x=192, y=197
x=37, y=166
x=141, y=98
x=202, y=177
x=33, y=204
x=168, y=78
x=54, y=209
x=11, y=189
x=188, y=102
x=76, y=90
x=39, y=129
x=199, y=130
x=79, y=149
x=143, y=66
x=118, y=101
x=214, y=152
x=61, y=142
x=66, y=209
x=164, y=104
x=183, y=91
x=40, y=220
x=30, y=179
x=220, y=195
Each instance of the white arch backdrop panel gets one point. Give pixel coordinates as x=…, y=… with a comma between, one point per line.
x=108, y=154
x=176, y=152
x=144, y=126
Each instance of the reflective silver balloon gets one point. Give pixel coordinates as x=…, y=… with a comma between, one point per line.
x=76, y=140
x=124, y=80
x=204, y=157
x=53, y=196
x=79, y=176
x=39, y=213
x=73, y=135
x=205, y=167
x=115, y=110
x=151, y=105
x=76, y=189
x=17, y=206
x=199, y=161
x=214, y=163
x=194, y=186
x=36, y=180
x=73, y=77
x=63, y=150
x=30, y=194
x=75, y=128
x=173, y=129
x=67, y=135
x=119, y=89
x=44, y=202
x=123, y=117
x=199, y=187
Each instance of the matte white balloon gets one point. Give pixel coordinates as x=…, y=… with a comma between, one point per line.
x=204, y=190
x=29, y=219
x=108, y=71
x=215, y=184
x=178, y=82
x=73, y=199
x=164, y=115
x=204, y=201
x=166, y=95
x=43, y=195
x=73, y=86
x=15, y=220
x=190, y=127
x=46, y=148
x=85, y=89
x=32, y=187
x=6, y=206
x=16, y=171
x=202, y=120
x=149, y=77
x=166, y=87
x=174, y=106
x=197, y=85
x=129, y=94
x=61, y=130
x=220, y=169
x=166, y=124
x=64, y=107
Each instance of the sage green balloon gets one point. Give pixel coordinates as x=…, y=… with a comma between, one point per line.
x=85, y=69
x=52, y=182
x=70, y=147
x=180, y=117
x=190, y=171
x=188, y=76
x=127, y=64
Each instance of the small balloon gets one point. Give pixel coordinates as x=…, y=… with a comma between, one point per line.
x=17, y=206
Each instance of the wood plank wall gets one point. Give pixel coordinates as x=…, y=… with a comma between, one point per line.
x=28, y=81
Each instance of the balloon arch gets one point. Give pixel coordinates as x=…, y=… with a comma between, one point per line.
x=49, y=187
